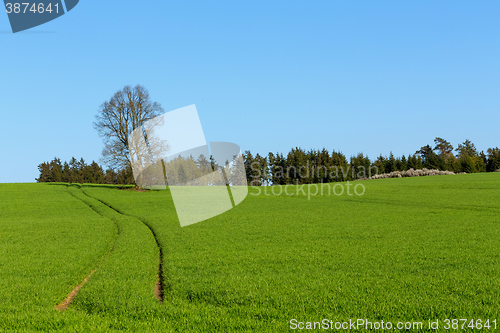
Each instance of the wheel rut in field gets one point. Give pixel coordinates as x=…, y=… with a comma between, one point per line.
x=159, y=286
x=67, y=302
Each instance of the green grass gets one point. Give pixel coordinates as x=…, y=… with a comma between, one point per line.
x=49, y=242
x=410, y=249
x=125, y=281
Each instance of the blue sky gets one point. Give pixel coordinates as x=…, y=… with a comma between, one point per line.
x=351, y=76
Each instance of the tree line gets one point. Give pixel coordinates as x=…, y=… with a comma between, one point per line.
x=181, y=170
x=296, y=167
x=131, y=108
x=321, y=166
x=78, y=171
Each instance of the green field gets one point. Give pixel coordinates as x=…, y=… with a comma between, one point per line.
x=410, y=249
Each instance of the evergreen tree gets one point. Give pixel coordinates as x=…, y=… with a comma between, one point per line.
x=404, y=164
x=111, y=177
x=323, y=166
x=380, y=164
x=66, y=173
x=467, y=148
x=429, y=159
x=444, y=148
x=469, y=158
x=493, y=163
x=44, y=169
x=204, y=165
x=279, y=172
x=237, y=175
x=390, y=164
x=125, y=176
x=55, y=171
x=412, y=162
x=74, y=169
x=277, y=169
x=263, y=172
x=361, y=164
x=81, y=167
x=339, y=168
x=482, y=161
x=94, y=174
x=252, y=168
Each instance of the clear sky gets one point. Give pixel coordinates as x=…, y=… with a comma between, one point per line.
x=354, y=76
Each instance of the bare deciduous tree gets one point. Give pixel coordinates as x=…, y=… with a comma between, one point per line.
x=127, y=110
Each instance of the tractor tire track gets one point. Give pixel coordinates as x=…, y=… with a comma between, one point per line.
x=67, y=302
x=159, y=286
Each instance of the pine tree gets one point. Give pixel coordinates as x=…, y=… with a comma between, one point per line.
x=340, y=169
x=95, y=173
x=237, y=174
x=55, y=170
x=380, y=164
x=444, y=148
x=125, y=176
x=66, y=173
x=404, y=163
x=469, y=158
x=390, y=163
x=429, y=159
x=361, y=166
x=263, y=172
x=44, y=169
x=493, y=163
x=203, y=165
x=110, y=177
x=324, y=164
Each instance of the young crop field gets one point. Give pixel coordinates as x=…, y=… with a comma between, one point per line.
x=408, y=250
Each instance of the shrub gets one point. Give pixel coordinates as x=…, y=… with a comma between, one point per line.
x=412, y=173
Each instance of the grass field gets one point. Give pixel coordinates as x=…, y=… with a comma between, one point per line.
x=410, y=249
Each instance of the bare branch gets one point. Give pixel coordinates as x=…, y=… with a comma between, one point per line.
x=127, y=110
